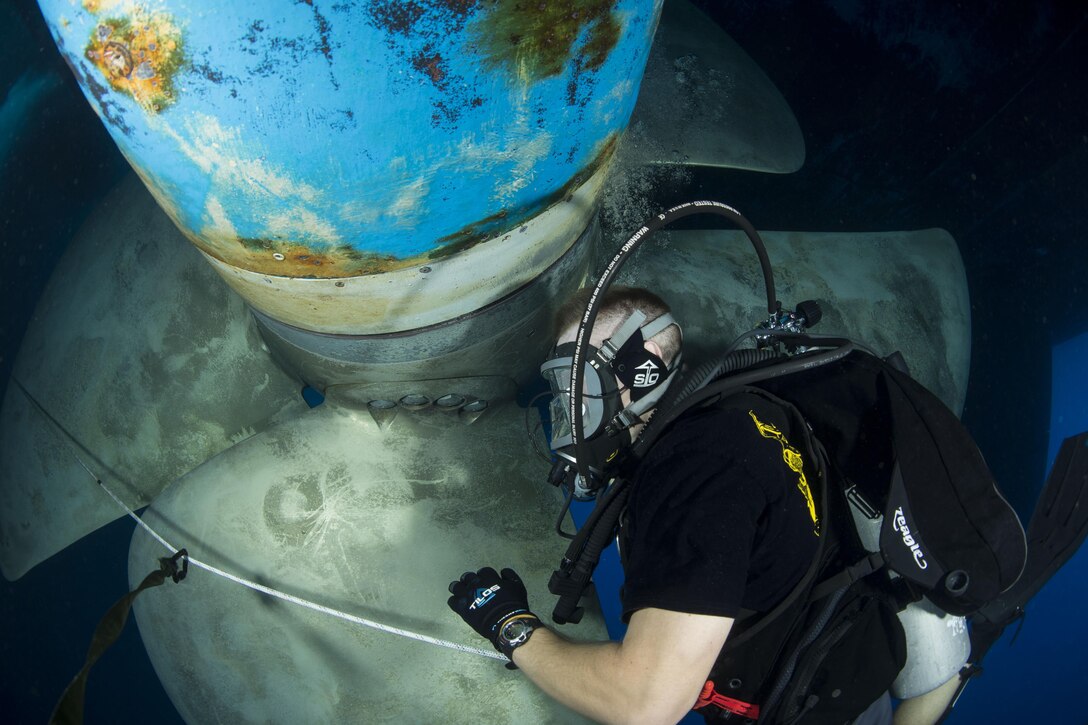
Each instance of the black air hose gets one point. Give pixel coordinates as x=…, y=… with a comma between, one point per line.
x=581, y=346
x=576, y=569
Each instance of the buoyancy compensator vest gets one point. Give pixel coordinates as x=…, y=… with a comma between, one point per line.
x=893, y=452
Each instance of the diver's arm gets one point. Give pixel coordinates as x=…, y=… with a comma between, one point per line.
x=928, y=708
x=653, y=676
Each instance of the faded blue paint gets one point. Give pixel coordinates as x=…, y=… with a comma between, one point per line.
x=338, y=138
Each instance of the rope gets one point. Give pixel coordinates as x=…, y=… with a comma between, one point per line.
x=70, y=441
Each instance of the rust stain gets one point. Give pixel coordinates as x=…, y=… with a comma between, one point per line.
x=139, y=54
x=281, y=258
x=289, y=259
x=536, y=40
x=429, y=62
x=109, y=109
x=396, y=18
x=528, y=41
x=97, y=6
x=414, y=30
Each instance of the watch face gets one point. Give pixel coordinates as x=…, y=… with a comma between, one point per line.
x=517, y=631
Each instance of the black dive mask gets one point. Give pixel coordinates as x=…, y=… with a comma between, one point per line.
x=605, y=420
x=600, y=404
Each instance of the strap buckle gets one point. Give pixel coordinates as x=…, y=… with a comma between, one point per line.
x=168, y=565
x=709, y=696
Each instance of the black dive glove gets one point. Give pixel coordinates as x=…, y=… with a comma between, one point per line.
x=487, y=601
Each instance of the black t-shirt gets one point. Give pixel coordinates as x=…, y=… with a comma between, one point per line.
x=721, y=515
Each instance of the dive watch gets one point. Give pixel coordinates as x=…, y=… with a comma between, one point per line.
x=516, y=632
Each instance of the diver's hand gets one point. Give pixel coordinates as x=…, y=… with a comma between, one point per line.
x=486, y=600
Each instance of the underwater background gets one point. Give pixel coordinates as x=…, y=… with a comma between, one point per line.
x=969, y=117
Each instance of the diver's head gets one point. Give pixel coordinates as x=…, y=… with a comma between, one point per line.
x=634, y=351
x=618, y=305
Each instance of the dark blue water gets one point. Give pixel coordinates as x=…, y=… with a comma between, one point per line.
x=915, y=115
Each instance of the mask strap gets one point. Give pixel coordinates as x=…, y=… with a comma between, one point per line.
x=612, y=345
x=657, y=325
x=633, y=412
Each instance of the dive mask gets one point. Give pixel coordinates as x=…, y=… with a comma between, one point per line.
x=604, y=417
x=600, y=396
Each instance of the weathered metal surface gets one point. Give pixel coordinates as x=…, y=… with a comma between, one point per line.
x=705, y=102
x=147, y=360
x=506, y=339
x=904, y=291
x=375, y=522
x=435, y=289
x=329, y=141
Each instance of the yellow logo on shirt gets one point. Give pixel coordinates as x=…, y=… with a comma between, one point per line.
x=793, y=459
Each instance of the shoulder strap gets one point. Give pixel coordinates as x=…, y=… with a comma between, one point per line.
x=859, y=570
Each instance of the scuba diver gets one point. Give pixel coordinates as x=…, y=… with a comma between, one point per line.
x=767, y=578
x=721, y=518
